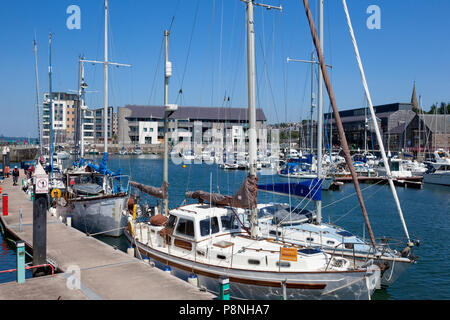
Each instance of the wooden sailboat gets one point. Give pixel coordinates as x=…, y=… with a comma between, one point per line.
x=210, y=240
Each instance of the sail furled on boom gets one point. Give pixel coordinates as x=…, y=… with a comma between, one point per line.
x=245, y=197
x=161, y=193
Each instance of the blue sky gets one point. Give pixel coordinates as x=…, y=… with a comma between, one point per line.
x=412, y=45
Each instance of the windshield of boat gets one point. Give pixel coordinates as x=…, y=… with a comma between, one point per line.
x=205, y=228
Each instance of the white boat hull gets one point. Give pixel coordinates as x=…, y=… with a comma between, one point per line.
x=98, y=215
x=441, y=178
x=264, y=285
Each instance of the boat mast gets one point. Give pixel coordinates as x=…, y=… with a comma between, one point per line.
x=106, y=63
x=105, y=66
x=78, y=117
x=420, y=125
x=252, y=99
x=166, y=117
x=320, y=116
x=338, y=119
x=51, y=102
x=377, y=131
x=311, y=130
x=37, y=99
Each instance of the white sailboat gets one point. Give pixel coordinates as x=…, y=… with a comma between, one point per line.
x=211, y=241
x=304, y=227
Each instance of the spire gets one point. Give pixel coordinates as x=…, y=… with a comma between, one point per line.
x=415, y=106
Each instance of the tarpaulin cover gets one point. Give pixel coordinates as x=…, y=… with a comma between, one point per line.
x=244, y=198
x=161, y=193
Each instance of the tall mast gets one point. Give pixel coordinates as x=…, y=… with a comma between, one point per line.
x=78, y=125
x=105, y=66
x=51, y=101
x=252, y=99
x=106, y=63
x=340, y=128
x=320, y=115
x=166, y=116
x=420, y=125
x=37, y=99
x=377, y=130
x=311, y=130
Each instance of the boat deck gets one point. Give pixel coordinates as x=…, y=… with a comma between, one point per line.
x=105, y=272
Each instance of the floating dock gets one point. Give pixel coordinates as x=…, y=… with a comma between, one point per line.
x=105, y=273
x=410, y=182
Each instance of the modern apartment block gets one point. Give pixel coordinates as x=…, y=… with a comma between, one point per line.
x=194, y=128
x=99, y=125
x=63, y=114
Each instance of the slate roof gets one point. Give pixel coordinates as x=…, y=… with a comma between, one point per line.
x=195, y=113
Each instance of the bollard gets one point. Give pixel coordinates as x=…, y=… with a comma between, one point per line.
x=5, y=204
x=193, y=279
x=283, y=290
x=224, y=288
x=20, y=220
x=69, y=221
x=130, y=251
x=20, y=246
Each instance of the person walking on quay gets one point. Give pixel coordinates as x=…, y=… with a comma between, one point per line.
x=6, y=172
x=15, y=175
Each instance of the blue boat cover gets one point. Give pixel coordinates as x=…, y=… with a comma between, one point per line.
x=311, y=189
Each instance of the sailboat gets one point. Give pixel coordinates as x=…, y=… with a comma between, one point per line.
x=306, y=228
x=96, y=197
x=209, y=239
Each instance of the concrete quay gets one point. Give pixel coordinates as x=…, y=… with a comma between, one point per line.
x=105, y=273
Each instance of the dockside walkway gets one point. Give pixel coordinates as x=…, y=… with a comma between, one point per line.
x=106, y=273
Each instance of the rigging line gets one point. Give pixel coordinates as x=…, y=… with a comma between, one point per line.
x=351, y=195
x=153, y=89
x=268, y=79
x=173, y=17
x=180, y=92
x=348, y=212
x=212, y=54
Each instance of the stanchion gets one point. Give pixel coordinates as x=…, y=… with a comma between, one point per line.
x=224, y=288
x=20, y=246
x=5, y=204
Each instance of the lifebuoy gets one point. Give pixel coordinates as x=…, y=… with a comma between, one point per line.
x=53, y=193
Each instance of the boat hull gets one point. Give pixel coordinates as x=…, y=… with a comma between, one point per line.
x=265, y=285
x=437, y=178
x=98, y=215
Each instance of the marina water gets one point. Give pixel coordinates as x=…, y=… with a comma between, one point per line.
x=426, y=211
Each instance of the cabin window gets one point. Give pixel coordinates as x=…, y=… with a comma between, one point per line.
x=221, y=256
x=283, y=264
x=171, y=222
x=309, y=239
x=254, y=261
x=209, y=224
x=275, y=233
x=330, y=242
x=228, y=222
x=185, y=227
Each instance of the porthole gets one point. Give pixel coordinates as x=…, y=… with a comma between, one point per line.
x=254, y=261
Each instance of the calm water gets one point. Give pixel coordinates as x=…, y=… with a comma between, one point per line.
x=426, y=211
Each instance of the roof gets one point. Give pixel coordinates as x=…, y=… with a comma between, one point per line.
x=437, y=123
x=195, y=113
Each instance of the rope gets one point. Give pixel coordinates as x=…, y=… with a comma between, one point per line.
x=94, y=234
